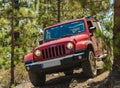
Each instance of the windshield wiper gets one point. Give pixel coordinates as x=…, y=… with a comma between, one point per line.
x=51, y=39
x=59, y=37
x=66, y=35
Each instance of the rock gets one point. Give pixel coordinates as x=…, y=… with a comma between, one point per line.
x=1, y=77
x=100, y=64
x=81, y=85
x=2, y=85
x=56, y=75
x=73, y=83
x=90, y=82
x=25, y=85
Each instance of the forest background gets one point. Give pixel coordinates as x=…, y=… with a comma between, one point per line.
x=22, y=21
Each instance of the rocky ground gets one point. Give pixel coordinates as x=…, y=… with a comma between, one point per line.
x=59, y=80
x=77, y=80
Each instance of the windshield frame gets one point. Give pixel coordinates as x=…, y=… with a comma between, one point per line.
x=58, y=25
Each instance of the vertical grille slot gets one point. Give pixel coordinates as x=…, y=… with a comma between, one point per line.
x=46, y=53
x=53, y=52
x=56, y=49
x=60, y=50
x=43, y=53
x=63, y=49
x=50, y=53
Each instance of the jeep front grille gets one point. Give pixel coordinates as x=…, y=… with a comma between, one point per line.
x=54, y=51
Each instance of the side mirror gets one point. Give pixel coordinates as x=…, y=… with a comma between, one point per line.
x=40, y=42
x=92, y=28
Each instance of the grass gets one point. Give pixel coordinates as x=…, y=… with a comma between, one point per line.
x=20, y=75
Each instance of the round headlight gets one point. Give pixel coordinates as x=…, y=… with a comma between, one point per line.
x=37, y=52
x=70, y=45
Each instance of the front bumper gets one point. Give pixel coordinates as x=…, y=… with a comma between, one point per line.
x=57, y=64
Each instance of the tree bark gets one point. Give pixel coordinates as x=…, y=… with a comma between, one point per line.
x=116, y=38
x=116, y=32
x=12, y=48
x=58, y=18
x=113, y=80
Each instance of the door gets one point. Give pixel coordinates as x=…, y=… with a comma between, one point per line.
x=93, y=38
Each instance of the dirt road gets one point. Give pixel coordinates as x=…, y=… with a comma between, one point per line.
x=59, y=80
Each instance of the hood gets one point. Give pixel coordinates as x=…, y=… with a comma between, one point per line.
x=75, y=38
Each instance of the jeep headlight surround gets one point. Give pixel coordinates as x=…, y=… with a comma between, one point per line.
x=37, y=53
x=70, y=45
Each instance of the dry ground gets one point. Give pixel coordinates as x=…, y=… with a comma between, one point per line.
x=59, y=80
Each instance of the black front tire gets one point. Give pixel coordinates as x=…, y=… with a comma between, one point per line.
x=37, y=79
x=89, y=65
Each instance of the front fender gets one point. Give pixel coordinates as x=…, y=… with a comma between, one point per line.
x=28, y=57
x=83, y=44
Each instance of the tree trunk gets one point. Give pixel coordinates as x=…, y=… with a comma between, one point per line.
x=116, y=32
x=58, y=18
x=12, y=47
x=113, y=80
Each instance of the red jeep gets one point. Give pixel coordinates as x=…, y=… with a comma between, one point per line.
x=66, y=46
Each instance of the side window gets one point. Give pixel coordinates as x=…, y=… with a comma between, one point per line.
x=89, y=25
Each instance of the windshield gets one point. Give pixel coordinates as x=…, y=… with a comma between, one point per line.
x=64, y=30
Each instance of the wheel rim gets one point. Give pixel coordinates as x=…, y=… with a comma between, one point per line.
x=92, y=63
